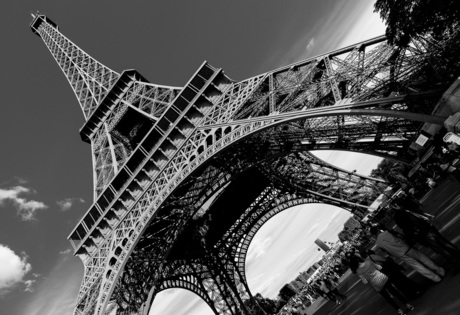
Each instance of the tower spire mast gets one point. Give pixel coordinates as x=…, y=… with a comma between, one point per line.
x=89, y=79
x=105, y=97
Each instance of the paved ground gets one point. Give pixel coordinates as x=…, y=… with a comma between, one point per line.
x=444, y=298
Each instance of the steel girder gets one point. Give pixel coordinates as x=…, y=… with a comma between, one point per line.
x=197, y=272
x=154, y=145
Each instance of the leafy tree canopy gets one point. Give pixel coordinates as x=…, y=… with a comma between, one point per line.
x=391, y=171
x=286, y=292
x=406, y=19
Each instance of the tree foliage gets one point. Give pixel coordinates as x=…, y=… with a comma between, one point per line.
x=264, y=305
x=268, y=305
x=391, y=171
x=286, y=292
x=406, y=19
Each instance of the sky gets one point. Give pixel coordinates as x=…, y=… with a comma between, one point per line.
x=45, y=169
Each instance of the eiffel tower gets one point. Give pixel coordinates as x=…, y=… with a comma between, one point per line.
x=185, y=176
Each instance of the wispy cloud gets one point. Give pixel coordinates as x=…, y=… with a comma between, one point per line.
x=265, y=284
x=29, y=285
x=345, y=24
x=257, y=248
x=20, y=180
x=65, y=252
x=67, y=203
x=310, y=44
x=13, y=268
x=313, y=228
x=56, y=293
x=26, y=208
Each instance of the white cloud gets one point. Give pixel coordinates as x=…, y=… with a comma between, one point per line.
x=65, y=252
x=21, y=181
x=56, y=292
x=257, y=248
x=29, y=284
x=67, y=203
x=310, y=44
x=267, y=286
x=367, y=24
x=13, y=268
x=26, y=208
x=313, y=228
x=335, y=215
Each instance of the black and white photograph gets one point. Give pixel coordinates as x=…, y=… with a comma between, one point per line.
x=258, y=157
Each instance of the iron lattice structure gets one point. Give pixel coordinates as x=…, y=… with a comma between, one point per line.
x=184, y=177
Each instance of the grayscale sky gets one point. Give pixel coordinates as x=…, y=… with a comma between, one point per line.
x=45, y=169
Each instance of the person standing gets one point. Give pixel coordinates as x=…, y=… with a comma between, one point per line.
x=398, y=248
x=370, y=273
x=417, y=227
x=394, y=271
x=325, y=288
x=332, y=291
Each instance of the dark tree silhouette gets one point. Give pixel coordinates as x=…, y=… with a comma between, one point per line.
x=265, y=306
x=268, y=305
x=391, y=171
x=286, y=292
x=406, y=19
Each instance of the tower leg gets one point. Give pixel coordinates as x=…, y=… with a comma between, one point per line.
x=234, y=289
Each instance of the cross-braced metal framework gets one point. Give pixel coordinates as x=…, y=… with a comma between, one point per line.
x=97, y=89
x=184, y=177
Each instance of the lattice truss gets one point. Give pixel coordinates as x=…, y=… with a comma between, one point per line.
x=361, y=73
x=150, y=188
x=309, y=174
x=110, y=147
x=89, y=79
x=270, y=202
x=167, y=226
x=231, y=250
x=213, y=279
x=367, y=73
x=198, y=146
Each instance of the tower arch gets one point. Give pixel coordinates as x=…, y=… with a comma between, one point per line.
x=287, y=234
x=189, y=301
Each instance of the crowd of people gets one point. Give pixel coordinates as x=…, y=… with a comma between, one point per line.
x=413, y=232
x=380, y=251
x=441, y=161
x=326, y=287
x=409, y=234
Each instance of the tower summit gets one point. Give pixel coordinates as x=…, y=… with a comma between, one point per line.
x=168, y=162
x=37, y=21
x=89, y=79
